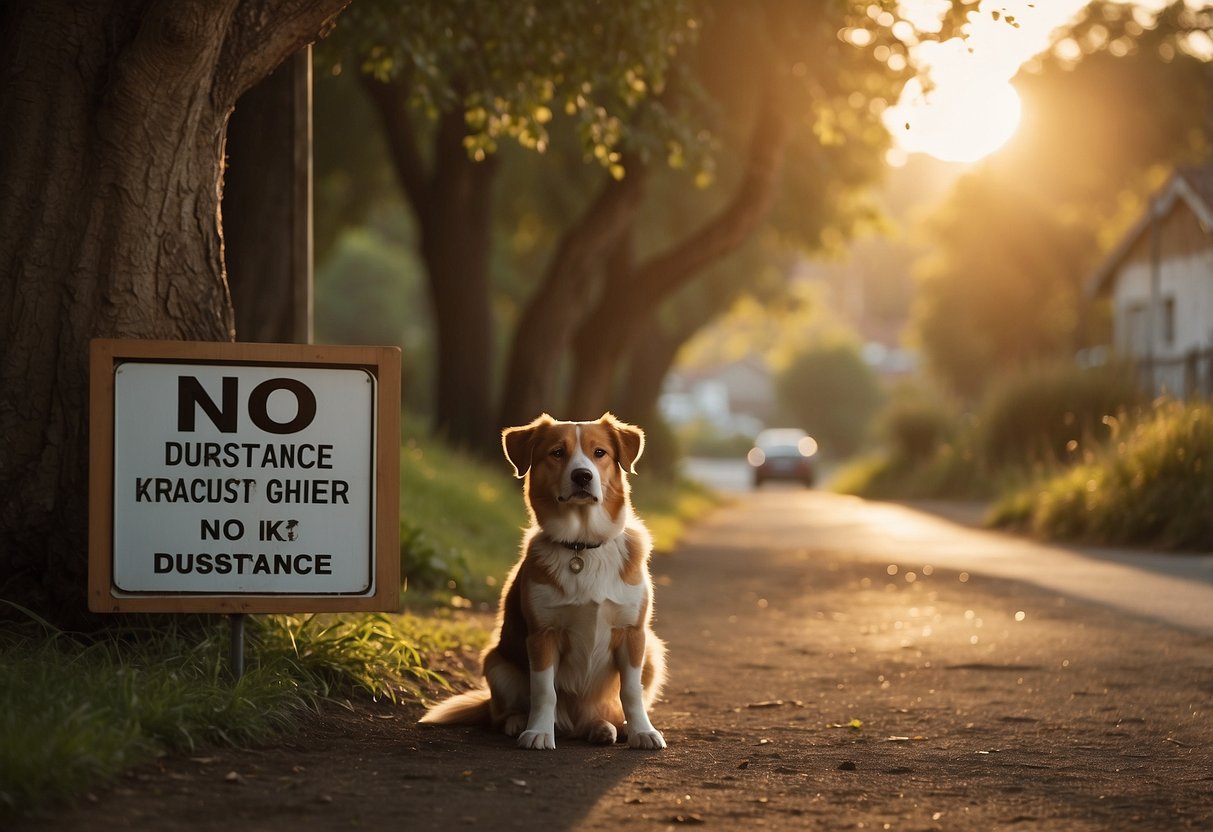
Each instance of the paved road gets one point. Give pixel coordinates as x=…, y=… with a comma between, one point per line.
x=834, y=664
x=1173, y=588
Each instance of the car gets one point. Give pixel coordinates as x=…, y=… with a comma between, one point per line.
x=783, y=454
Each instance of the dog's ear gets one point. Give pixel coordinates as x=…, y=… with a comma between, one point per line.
x=518, y=443
x=629, y=441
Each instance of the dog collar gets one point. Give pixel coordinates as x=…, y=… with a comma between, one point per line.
x=578, y=546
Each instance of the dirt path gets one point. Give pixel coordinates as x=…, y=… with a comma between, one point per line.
x=809, y=690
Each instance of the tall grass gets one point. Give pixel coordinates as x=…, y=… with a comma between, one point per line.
x=1029, y=424
x=1151, y=485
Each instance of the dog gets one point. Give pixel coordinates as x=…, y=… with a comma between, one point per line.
x=573, y=654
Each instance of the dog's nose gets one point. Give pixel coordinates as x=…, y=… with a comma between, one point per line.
x=582, y=477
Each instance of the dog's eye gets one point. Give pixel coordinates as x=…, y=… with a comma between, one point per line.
x=558, y=452
x=599, y=452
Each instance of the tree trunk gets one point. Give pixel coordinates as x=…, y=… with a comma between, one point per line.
x=550, y=320
x=636, y=399
x=112, y=119
x=599, y=348
x=452, y=199
x=267, y=207
x=645, y=371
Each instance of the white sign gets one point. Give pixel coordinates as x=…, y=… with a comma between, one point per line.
x=235, y=474
x=243, y=479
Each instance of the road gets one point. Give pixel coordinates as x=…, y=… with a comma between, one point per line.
x=835, y=664
x=1173, y=588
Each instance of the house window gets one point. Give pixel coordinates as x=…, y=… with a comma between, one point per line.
x=1168, y=321
x=1135, y=335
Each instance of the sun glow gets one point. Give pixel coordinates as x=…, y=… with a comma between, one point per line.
x=960, y=122
x=968, y=108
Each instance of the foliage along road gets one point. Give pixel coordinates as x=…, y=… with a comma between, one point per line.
x=835, y=664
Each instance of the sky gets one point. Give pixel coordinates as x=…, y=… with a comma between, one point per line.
x=973, y=108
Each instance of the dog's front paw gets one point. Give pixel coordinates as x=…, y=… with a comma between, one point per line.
x=537, y=739
x=648, y=740
x=514, y=724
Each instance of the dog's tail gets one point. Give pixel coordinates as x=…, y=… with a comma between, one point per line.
x=471, y=708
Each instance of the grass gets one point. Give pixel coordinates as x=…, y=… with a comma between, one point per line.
x=77, y=710
x=1063, y=455
x=1030, y=424
x=1151, y=485
x=667, y=507
x=461, y=520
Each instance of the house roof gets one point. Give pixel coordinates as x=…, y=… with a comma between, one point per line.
x=1193, y=186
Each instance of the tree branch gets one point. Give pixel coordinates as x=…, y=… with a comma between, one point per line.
x=546, y=328
x=264, y=33
x=664, y=273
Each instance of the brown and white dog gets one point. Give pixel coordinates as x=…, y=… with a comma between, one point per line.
x=573, y=654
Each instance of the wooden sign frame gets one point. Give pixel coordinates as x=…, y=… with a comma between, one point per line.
x=383, y=363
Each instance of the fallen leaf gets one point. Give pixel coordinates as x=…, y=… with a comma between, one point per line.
x=686, y=819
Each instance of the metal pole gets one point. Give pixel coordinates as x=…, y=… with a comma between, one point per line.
x=237, y=655
x=1152, y=313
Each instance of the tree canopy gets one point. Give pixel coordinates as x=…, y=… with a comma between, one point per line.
x=751, y=101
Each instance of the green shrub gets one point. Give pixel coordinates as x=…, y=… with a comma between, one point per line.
x=424, y=566
x=1153, y=486
x=952, y=472
x=830, y=392
x=928, y=453
x=1051, y=415
x=916, y=426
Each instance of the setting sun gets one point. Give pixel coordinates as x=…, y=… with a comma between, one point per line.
x=968, y=108
x=960, y=122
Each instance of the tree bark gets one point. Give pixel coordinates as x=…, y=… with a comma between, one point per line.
x=267, y=207
x=599, y=349
x=556, y=309
x=452, y=199
x=112, y=120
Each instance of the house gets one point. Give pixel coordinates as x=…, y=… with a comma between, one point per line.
x=735, y=398
x=1159, y=280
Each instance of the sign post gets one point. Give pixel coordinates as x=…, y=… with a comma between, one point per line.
x=238, y=478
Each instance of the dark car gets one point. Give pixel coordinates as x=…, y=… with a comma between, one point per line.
x=783, y=454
